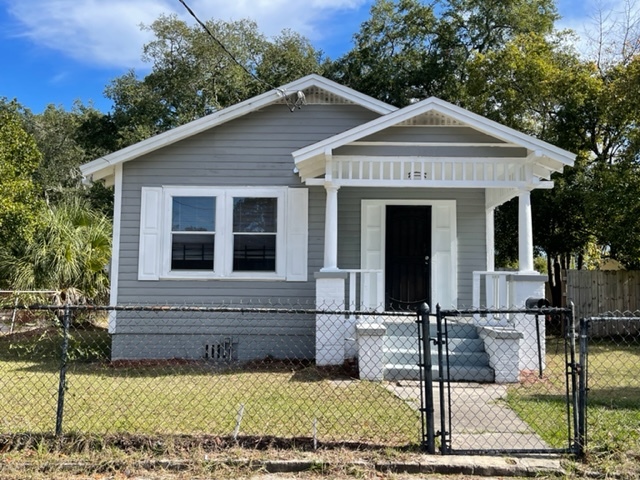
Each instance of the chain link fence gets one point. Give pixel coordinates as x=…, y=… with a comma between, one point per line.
x=611, y=343
x=228, y=371
x=503, y=381
x=294, y=372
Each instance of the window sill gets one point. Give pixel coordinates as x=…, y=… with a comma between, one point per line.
x=237, y=277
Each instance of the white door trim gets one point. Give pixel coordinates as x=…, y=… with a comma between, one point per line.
x=444, y=244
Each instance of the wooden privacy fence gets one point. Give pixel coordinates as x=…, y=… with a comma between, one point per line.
x=596, y=292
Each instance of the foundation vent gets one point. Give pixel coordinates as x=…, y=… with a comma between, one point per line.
x=219, y=350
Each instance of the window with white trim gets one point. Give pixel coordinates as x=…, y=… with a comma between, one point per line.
x=215, y=232
x=255, y=234
x=193, y=231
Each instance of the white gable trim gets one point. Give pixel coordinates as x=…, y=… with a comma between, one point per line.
x=558, y=156
x=103, y=167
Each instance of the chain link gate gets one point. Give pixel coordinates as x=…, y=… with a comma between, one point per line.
x=488, y=388
x=610, y=385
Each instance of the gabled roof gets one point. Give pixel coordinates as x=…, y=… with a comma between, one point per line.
x=104, y=166
x=550, y=157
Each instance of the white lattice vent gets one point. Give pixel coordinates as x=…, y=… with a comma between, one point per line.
x=219, y=350
x=317, y=96
x=433, y=119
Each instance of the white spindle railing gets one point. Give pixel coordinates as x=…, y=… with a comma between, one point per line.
x=491, y=290
x=413, y=169
x=364, y=290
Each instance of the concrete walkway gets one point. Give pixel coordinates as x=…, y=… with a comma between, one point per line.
x=480, y=418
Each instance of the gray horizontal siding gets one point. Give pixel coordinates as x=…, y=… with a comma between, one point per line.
x=254, y=150
x=432, y=134
x=155, y=335
x=427, y=151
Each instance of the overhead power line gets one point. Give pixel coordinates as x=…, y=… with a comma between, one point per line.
x=300, y=99
x=222, y=46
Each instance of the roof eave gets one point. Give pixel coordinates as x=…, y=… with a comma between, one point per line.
x=164, y=139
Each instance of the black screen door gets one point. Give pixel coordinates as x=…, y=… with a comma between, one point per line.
x=408, y=256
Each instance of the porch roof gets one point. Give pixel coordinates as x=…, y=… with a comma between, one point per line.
x=432, y=143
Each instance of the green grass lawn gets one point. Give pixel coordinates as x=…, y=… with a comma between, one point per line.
x=613, y=412
x=281, y=399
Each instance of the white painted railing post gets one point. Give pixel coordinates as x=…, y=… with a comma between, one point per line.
x=371, y=351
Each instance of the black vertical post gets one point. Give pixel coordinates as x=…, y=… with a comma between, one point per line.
x=573, y=368
x=581, y=439
x=428, y=379
x=66, y=317
x=423, y=432
x=539, y=346
x=441, y=379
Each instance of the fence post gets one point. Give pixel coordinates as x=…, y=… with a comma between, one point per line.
x=442, y=340
x=572, y=370
x=62, y=385
x=581, y=437
x=428, y=379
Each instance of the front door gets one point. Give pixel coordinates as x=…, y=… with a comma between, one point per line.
x=408, y=256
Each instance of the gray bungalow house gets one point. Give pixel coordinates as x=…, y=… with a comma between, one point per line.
x=340, y=200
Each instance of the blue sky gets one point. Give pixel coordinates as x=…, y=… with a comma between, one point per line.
x=57, y=51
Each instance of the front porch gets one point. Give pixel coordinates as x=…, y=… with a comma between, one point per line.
x=485, y=348
x=443, y=170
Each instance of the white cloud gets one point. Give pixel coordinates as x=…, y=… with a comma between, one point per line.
x=91, y=31
x=108, y=33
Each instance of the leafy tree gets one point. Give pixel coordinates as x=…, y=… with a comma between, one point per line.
x=192, y=75
x=288, y=57
x=54, y=131
x=19, y=159
x=394, y=55
x=528, y=85
x=410, y=50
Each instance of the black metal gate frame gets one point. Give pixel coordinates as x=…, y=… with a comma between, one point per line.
x=575, y=380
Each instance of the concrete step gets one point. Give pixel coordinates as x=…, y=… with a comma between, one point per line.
x=455, y=344
x=467, y=359
x=457, y=373
x=408, y=356
x=410, y=329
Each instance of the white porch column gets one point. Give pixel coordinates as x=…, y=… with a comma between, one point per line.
x=490, y=240
x=331, y=229
x=525, y=232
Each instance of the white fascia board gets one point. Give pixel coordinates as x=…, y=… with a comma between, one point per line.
x=227, y=114
x=97, y=170
x=473, y=120
x=354, y=134
x=503, y=132
x=179, y=133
